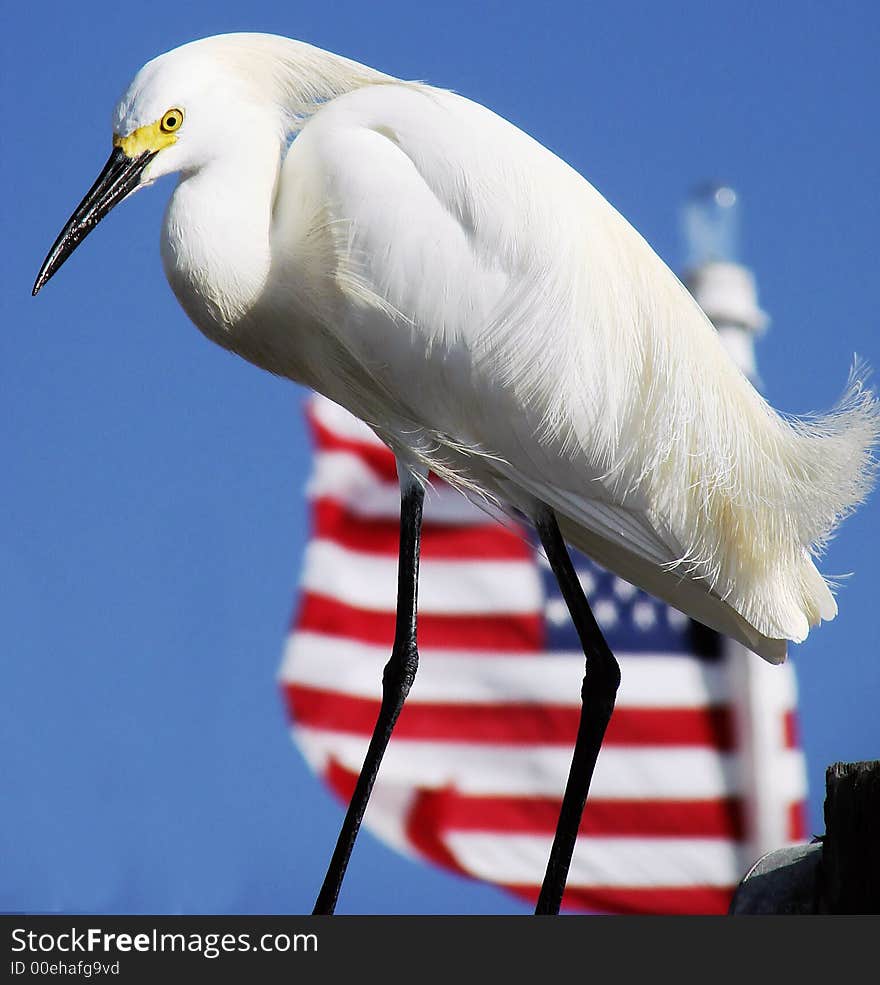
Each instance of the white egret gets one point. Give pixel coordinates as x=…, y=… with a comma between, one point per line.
x=438, y=272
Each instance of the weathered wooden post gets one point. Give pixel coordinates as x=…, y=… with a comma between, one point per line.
x=838, y=874
x=851, y=848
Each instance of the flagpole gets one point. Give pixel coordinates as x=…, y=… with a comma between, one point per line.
x=764, y=696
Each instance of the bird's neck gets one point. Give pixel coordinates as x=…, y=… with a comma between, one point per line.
x=215, y=240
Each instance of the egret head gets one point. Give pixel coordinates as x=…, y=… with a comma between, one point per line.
x=182, y=110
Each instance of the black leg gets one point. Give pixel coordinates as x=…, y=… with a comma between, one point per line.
x=601, y=680
x=400, y=671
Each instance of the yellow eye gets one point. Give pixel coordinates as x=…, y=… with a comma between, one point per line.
x=171, y=121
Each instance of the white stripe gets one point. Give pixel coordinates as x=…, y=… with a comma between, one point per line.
x=763, y=695
x=355, y=669
x=786, y=687
x=389, y=806
x=791, y=776
x=368, y=581
x=347, y=479
x=387, y=814
x=340, y=422
x=636, y=862
x=473, y=768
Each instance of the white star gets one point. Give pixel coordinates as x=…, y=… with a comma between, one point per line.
x=623, y=590
x=605, y=612
x=675, y=618
x=644, y=615
x=556, y=612
x=588, y=582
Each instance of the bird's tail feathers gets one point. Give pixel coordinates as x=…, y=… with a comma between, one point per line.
x=827, y=466
x=833, y=466
x=738, y=554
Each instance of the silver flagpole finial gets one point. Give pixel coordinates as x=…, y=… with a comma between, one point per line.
x=714, y=274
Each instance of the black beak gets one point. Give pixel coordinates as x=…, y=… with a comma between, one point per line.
x=121, y=175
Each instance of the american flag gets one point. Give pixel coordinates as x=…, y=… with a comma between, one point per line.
x=700, y=771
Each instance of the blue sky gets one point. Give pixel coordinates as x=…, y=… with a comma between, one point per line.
x=153, y=519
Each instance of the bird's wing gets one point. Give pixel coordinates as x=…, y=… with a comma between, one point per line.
x=430, y=201
x=501, y=312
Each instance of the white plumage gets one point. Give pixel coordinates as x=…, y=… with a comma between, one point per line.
x=424, y=263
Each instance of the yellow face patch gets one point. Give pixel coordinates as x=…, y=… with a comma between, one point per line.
x=148, y=138
x=152, y=137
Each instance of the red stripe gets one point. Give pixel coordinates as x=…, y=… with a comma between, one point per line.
x=377, y=457
x=430, y=814
x=426, y=832
x=333, y=521
x=447, y=810
x=505, y=632
x=512, y=724
x=797, y=821
x=791, y=730
x=340, y=780
x=676, y=900
x=421, y=832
